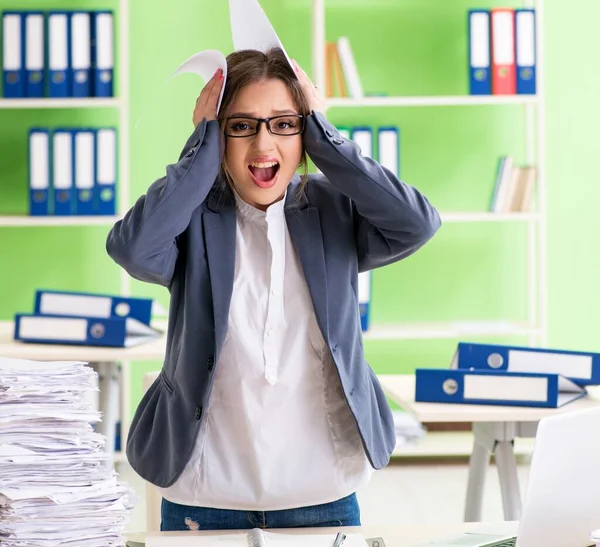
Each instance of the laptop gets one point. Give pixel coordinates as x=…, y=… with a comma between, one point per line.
x=562, y=500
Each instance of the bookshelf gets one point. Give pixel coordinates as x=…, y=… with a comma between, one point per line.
x=119, y=103
x=533, y=326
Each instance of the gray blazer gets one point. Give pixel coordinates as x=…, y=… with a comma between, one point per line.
x=353, y=217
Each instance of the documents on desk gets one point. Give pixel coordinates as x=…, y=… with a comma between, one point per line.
x=252, y=538
x=55, y=486
x=484, y=387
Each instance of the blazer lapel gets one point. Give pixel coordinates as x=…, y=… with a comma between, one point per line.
x=304, y=226
x=219, y=229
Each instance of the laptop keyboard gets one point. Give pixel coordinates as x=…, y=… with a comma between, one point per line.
x=508, y=543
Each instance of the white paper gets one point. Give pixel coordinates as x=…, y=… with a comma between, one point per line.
x=250, y=29
x=56, y=489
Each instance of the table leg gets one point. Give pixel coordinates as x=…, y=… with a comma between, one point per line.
x=509, y=481
x=109, y=398
x=478, y=464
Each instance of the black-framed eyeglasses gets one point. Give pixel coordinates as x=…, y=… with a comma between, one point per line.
x=285, y=126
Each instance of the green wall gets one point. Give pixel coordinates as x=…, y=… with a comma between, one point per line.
x=471, y=271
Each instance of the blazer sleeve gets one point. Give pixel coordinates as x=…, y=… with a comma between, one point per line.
x=393, y=219
x=144, y=241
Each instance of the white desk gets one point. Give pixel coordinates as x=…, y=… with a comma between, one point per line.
x=399, y=536
x=494, y=428
x=105, y=360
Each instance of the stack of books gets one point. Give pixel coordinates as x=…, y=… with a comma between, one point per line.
x=55, y=485
x=514, y=187
x=342, y=78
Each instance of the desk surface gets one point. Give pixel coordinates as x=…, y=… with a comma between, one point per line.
x=401, y=389
x=399, y=536
x=54, y=352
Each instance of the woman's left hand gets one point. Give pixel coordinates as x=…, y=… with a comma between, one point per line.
x=315, y=100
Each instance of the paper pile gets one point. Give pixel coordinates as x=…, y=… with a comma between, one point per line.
x=56, y=488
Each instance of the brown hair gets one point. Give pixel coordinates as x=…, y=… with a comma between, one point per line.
x=248, y=66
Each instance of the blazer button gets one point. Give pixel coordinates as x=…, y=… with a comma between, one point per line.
x=210, y=363
x=198, y=412
x=328, y=133
x=337, y=141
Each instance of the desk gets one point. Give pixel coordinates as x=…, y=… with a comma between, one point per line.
x=494, y=429
x=399, y=536
x=105, y=360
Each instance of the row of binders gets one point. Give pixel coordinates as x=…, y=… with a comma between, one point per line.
x=57, y=54
x=492, y=374
x=72, y=171
x=514, y=187
x=88, y=319
x=388, y=156
x=502, y=51
x=341, y=75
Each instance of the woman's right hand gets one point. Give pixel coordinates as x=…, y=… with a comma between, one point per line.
x=206, y=103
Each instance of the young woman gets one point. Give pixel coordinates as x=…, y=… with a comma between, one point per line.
x=265, y=413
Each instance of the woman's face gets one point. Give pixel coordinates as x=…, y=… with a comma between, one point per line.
x=263, y=165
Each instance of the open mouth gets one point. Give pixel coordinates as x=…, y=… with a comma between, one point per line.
x=264, y=173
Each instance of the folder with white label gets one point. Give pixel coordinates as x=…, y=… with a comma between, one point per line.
x=105, y=195
x=39, y=172
x=526, y=50
x=82, y=304
x=364, y=298
x=81, y=53
x=59, y=64
x=13, y=54
x=103, y=56
x=483, y=387
x=389, y=149
x=580, y=367
x=82, y=331
x=34, y=54
x=480, y=73
x=62, y=172
x=85, y=170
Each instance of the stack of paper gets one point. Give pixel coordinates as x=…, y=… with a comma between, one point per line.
x=56, y=488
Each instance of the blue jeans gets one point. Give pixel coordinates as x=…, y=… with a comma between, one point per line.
x=175, y=517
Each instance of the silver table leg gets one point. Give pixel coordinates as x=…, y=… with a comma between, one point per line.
x=108, y=379
x=478, y=464
x=509, y=481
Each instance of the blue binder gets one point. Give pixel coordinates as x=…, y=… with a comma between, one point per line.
x=82, y=331
x=81, y=53
x=480, y=58
x=105, y=189
x=84, y=161
x=525, y=51
x=82, y=304
x=103, y=53
x=39, y=172
x=364, y=298
x=34, y=53
x=59, y=49
x=583, y=368
x=482, y=387
x=63, y=176
x=13, y=54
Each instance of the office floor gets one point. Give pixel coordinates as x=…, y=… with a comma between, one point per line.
x=406, y=492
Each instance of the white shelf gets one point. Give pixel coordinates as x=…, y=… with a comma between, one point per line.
x=457, y=100
x=483, y=216
x=91, y=102
x=454, y=329
x=32, y=221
